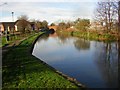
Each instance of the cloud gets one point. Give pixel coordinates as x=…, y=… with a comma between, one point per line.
x=51, y=0
x=50, y=11
x=56, y=0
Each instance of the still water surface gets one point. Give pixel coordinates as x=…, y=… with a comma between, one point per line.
x=93, y=63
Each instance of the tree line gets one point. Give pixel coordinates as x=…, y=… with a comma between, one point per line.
x=25, y=25
x=107, y=14
x=80, y=24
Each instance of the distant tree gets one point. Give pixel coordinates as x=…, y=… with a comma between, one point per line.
x=41, y=24
x=62, y=26
x=77, y=20
x=69, y=24
x=82, y=24
x=52, y=24
x=38, y=24
x=45, y=24
x=23, y=17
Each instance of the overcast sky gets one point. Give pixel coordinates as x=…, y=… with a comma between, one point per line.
x=52, y=11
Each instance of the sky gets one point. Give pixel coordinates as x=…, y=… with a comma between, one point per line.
x=50, y=10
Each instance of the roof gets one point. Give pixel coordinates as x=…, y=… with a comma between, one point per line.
x=11, y=24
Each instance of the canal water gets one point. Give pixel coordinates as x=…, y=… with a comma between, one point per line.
x=92, y=63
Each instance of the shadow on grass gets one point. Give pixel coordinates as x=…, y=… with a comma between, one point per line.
x=17, y=64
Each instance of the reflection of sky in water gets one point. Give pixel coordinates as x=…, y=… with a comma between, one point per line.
x=83, y=64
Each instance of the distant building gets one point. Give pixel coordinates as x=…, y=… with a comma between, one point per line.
x=10, y=26
x=13, y=26
x=96, y=26
x=33, y=26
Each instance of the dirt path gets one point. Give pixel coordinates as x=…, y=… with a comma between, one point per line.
x=9, y=46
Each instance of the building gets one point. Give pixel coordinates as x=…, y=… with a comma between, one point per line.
x=13, y=26
x=7, y=26
x=96, y=26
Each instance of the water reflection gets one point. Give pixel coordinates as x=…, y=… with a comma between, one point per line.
x=93, y=63
x=82, y=44
x=63, y=38
x=107, y=62
x=44, y=37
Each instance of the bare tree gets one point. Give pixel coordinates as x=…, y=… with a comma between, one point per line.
x=23, y=17
x=106, y=14
x=119, y=35
x=119, y=17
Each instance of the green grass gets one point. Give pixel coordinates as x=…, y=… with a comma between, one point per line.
x=91, y=35
x=22, y=70
x=13, y=38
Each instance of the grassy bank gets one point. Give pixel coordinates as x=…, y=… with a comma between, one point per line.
x=90, y=35
x=13, y=38
x=95, y=36
x=22, y=70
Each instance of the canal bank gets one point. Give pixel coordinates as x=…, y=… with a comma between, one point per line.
x=22, y=70
x=92, y=35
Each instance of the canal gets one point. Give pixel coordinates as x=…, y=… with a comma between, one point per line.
x=92, y=63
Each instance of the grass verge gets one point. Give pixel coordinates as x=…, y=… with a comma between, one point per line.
x=95, y=36
x=106, y=37
x=22, y=70
x=13, y=38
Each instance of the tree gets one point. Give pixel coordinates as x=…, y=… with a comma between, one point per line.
x=45, y=24
x=119, y=17
x=82, y=24
x=23, y=17
x=52, y=24
x=119, y=34
x=65, y=25
x=69, y=24
x=106, y=14
x=61, y=26
x=38, y=24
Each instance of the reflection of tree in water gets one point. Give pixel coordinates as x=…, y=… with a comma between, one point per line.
x=43, y=37
x=119, y=57
x=63, y=38
x=82, y=44
x=107, y=61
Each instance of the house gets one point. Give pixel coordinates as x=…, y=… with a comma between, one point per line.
x=96, y=26
x=30, y=25
x=10, y=26
x=33, y=26
x=13, y=26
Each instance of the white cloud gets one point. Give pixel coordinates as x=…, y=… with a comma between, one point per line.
x=50, y=0
x=54, y=0
x=47, y=11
